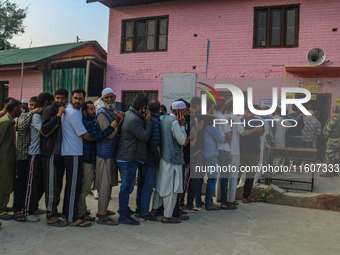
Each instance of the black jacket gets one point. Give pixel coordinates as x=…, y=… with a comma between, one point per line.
x=134, y=134
x=51, y=131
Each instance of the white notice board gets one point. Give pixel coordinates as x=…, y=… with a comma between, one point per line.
x=178, y=85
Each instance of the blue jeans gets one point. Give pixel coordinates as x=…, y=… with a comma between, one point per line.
x=146, y=183
x=128, y=177
x=211, y=185
x=224, y=159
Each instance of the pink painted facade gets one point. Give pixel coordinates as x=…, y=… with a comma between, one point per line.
x=228, y=24
x=32, y=83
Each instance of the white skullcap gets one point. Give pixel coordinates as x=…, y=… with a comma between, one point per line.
x=178, y=105
x=24, y=101
x=107, y=91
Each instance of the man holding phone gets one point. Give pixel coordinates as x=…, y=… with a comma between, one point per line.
x=132, y=149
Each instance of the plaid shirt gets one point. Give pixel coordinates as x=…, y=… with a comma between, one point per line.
x=24, y=135
x=89, y=147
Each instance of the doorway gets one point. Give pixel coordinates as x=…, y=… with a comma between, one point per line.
x=3, y=92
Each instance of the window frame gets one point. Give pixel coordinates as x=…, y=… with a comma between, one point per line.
x=134, y=36
x=283, y=26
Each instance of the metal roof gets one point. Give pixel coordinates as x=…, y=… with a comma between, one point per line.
x=119, y=3
x=32, y=55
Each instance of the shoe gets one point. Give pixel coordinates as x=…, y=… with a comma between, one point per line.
x=147, y=218
x=58, y=223
x=130, y=213
x=6, y=216
x=193, y=210
x=32, y=218
x=128, y=221
x=182, y=211
x=39, y=211
x=183, y=217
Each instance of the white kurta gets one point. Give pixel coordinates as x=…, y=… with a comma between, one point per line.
x=169, y=177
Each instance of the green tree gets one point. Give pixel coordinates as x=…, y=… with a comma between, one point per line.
x=11, y=23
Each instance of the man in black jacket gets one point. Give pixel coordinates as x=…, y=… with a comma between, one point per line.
x=132, y=149
x=50, y=146
x=147, y=171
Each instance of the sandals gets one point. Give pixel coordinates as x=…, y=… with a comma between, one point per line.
x=171, y=220
x=19, y=216
x=108, y=222
x=81, y=224
x=247, y=200
x=213, y=208
x=228, y=207
x=108, y=213
x=5, y=216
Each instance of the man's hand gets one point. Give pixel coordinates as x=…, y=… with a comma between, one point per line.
x=35, y=110
x=120, y=115
x=148, y=115
x=61, y=111
x=181, y=119
x=114, y=124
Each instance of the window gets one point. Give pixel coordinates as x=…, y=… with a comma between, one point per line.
x=276, y=26
x=128, y=96
x=144, y=35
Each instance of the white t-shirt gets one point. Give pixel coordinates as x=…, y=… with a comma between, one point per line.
x=237, y=130
x=224, y=128
x=72, y=128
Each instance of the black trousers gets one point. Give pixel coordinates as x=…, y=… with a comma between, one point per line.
x=194, y=179
x=249, y=160
x=74, y=174
x=20, y=186
x=35, y=184
x=53, y=167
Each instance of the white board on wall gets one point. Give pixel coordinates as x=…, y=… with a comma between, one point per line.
x=178, y=85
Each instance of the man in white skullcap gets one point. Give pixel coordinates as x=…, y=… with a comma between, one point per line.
x=169, y=177
x=106, y=170
x=24, y=105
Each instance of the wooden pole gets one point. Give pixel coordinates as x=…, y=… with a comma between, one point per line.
x=88, y=65
x=22, y=76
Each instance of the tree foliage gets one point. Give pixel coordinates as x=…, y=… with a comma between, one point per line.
x=11, y=23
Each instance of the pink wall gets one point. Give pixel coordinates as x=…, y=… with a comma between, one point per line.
x=229, y=27
x=32, y=83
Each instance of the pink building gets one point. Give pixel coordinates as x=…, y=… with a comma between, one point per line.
x=252, y=43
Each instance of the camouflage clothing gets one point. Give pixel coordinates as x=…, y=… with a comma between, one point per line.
x=332, y=151
x=332, y=132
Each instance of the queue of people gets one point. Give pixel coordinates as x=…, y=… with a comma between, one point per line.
x=91, y=142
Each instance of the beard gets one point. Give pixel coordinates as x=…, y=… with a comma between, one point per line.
x=91, y=117
x=110, y=107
